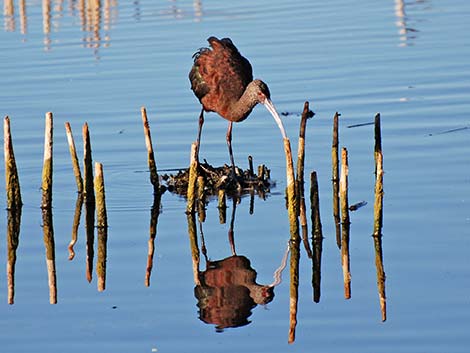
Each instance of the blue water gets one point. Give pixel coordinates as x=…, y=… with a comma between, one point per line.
x=407, y=60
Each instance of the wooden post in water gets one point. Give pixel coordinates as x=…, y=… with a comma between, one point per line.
x=47, y=165
x=46, y=205
x=79, y=181
x=306, y=113
x=150, y=155
x=101, y=219
x=12, y=182
x=378, y=215
x=73, y=156
x=87, y=166
x=14, y=206
x=192, y=181
x=317, y=237
x=102, y=225
x=343, y=191
x=294, y=241
x=291, y=192
x=335, y=179
x=89, y=201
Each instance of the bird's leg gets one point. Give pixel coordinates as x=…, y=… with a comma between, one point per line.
x=199, y=131
x=229, y=144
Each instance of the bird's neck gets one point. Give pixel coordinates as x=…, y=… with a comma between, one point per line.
x=240, y=109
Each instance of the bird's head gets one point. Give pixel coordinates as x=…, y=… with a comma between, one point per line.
x=261, y=94
x=260, y=91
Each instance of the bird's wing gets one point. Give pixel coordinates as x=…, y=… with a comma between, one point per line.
x=198, y=84
x=219, y=76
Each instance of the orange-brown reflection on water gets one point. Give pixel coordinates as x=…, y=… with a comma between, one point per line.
x=95, y=20
x=226, y=290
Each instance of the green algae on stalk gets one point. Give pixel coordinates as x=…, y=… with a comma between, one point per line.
x=192, y=181
x=87, y=166
x=46, y=205
x=89, y=201
x=47, y=166
x=12, y=182
x=100, y=199
x=150, y=155
x=378, y=204
x=345, y=223
x=294, y=241
x=291, y=192
x=102, y=226
x=73, y=156
x=378, y=218
x=306, y=114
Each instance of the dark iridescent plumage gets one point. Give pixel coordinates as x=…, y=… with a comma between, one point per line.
x=222, y=80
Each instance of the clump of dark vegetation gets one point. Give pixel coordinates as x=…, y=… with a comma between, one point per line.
x=222, y=178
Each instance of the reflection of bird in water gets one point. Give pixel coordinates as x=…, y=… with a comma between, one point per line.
x=222, y=80
x=227, y=291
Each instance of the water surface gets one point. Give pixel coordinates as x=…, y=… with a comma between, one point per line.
x=100, y=64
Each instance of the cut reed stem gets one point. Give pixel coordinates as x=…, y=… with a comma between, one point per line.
x=150, y=155
x=73, y=156
x=378, y=218
x=192, y=182
x=89, y=201
x=102, y=225
x=12, y=182
x=47, y=165
x=343, y=190
x=306, y=113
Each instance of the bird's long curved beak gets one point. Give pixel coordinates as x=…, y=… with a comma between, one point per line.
x=270, y=107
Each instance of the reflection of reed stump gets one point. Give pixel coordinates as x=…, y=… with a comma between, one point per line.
x=221, y=178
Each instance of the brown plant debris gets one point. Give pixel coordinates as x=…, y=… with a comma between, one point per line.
x=222, y=178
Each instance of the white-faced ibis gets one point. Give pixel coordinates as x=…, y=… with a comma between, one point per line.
x=222, y=80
